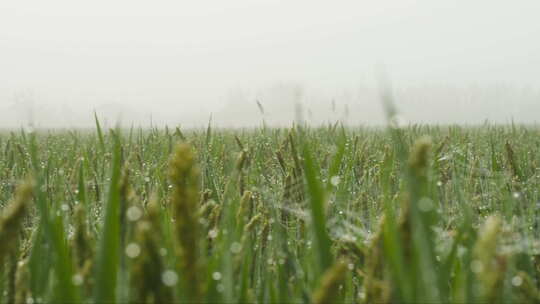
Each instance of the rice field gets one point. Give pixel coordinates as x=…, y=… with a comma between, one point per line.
x=416, y=214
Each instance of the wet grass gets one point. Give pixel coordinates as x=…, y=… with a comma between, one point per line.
x=420, y=214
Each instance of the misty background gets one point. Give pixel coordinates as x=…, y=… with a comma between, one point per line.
x=180, y=62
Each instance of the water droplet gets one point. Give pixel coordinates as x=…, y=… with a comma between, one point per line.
x=134, y=213
x=517, y=281
x=133, y=250
x=220, y=288
x=361, y=295
x=77, y=279
x=335, y=180
x=477, y=266
x=213, y=233
x=169, y=277
x=216, y=276
x=236, y=247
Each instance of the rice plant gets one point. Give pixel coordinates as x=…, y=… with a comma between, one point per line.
x=328, y=214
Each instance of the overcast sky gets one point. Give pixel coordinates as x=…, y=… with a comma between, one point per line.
x=180, y=60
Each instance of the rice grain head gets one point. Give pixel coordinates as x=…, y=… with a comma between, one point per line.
x=184, y=175
x=148, y=268
x=22, y=279
x=418, y=160
x=489, y=266
x=328, y=291
x=12, y=218
x=243, y=209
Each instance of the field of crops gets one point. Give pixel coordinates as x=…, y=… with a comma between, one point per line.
x=419, y=214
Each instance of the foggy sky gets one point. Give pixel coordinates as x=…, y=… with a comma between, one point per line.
x=178, y=62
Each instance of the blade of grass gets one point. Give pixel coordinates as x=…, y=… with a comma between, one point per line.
x=64, y=290
x=317, y=206
x=108, y=254
x=100, y=133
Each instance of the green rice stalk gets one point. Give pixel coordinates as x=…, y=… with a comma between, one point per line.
x=22, y=281
x=242, y=214
x=11, y=278
x=489, y=265
x=281, y=161
x=513, y=162
x=148, y=268
x=241, y=164
x=108, y=251
x=328, y=290
x=239, y=142
x=184, y=175
x=376, y=286
x=12, y=218
x=264, y=235
x=215, y=216
x=83, y=247
x=527, y=291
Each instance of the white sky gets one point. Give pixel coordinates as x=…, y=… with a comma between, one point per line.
x=165, y=58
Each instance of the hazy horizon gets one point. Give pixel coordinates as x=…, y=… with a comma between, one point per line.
x=180, y=63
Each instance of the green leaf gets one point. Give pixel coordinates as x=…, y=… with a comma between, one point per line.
x=317, y=206
x=100, y=133
x=108, y=254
